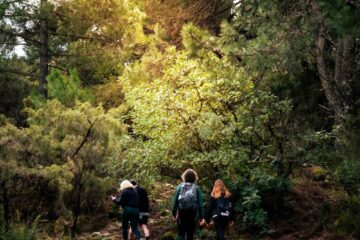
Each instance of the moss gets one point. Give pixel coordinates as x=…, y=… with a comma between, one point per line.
x=319, y=173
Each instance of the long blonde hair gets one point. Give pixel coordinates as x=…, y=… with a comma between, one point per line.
x=220, y=189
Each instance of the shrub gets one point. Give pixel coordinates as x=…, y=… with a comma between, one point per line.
x=349, y=219
x=20, y=232
x=168, y=236
x=254, y=216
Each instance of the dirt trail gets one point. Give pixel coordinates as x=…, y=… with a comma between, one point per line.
x=160, y=221
x=112, y=231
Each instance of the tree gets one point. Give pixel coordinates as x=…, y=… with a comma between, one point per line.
x=172, y=15
x=20, y=21
x=60, y=152
x=72, y=34
x=13, y=87
x=337, y=65
x=103, y=37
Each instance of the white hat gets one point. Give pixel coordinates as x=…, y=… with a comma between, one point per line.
x=126, y=184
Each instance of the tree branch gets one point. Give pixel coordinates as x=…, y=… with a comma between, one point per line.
x=17, y=72
x=19, y=35
x=60, y=68
x=85, y=138
x=77, y=37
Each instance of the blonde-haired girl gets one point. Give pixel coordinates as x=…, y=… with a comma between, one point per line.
x=220, y=209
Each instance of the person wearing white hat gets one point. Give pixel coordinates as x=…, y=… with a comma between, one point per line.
x=129, y=201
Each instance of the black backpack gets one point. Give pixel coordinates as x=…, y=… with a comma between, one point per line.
x=223, y=207
x=188, y=196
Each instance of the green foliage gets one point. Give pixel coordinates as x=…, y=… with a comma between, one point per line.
x=348, y=175
x=107, y=35
x=95, y=63
x=236, y=98
x=168, y=236
x=175, y=110
x=349, y=218
x=64, y=159
x=254, y=216
x=66, y=88
x=20, y=232
x=197, y=110
x=110, y=95
x=342, y=17
x=348, y=168
x=13, y=88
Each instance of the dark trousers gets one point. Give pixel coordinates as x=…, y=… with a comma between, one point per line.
x=130, y=215
x=186, y=224
x=221, y=224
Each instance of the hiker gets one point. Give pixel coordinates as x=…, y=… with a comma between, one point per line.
x=129, y=201
x=220, y=209
x=144, y=209
x=187, y=206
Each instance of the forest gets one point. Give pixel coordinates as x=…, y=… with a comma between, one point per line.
x=264, y=95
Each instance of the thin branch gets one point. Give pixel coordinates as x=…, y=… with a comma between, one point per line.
x=19, y=15
x=85, y=138
x=17, y=72
x=19, y=35
x=60, y=68
x=326, y=108
x=77, y=37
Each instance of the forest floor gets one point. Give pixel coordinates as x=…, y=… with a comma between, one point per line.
x=160, y=222
x=303, y=216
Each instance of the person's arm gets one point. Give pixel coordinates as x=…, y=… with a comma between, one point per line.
x=200, y=203
x=117, y=200
x=210, y=209
x=176, y=202
x=231, y=216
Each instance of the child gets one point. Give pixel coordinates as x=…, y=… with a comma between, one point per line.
x=220, y=209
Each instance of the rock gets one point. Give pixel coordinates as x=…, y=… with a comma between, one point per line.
x=113, y=227
x=95, y=234
x=105, y=234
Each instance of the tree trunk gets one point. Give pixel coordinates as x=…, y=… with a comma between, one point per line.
x=78, y=186
x=44, y=49
x=337, y=84
x=5, y=205
x=348, y=72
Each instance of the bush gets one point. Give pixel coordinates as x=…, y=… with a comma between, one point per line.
x=254, y=216
x=168, y=236
x=349, y=219
x=348, y=175
x=19, y=232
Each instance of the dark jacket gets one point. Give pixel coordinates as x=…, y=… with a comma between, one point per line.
x=127, y=198
x=144, y=206
x=200, y=211
x=212, y=209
